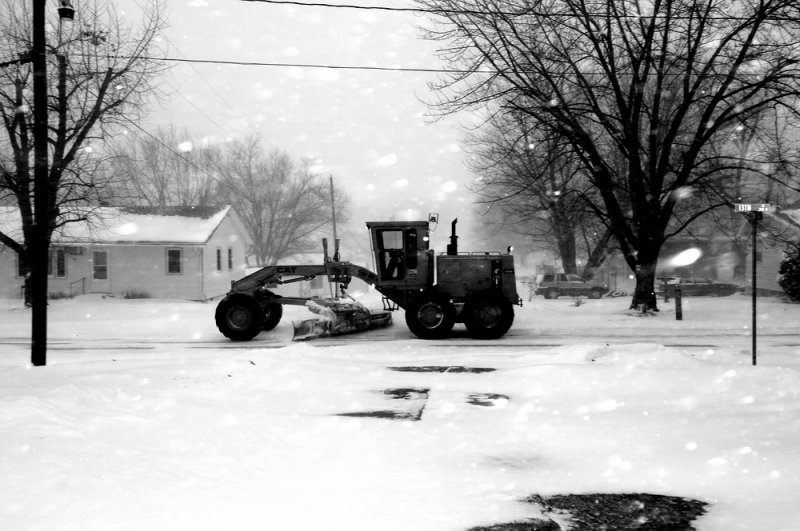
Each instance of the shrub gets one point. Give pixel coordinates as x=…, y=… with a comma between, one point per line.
x=137, y=294
x=789, y=274
x=60, y=295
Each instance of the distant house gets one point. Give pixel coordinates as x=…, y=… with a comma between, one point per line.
x=770, y=255
x=184, y=253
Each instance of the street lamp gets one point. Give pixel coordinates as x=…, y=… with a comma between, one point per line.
x=65, y=10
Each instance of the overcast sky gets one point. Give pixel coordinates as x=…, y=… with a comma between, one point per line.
x=369, y=129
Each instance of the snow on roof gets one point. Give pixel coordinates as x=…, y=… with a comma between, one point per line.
x=115, y=225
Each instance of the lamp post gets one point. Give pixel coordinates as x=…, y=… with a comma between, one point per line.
x=65, y=10
x=38, y=254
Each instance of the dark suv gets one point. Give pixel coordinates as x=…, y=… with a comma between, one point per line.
x=553, y=285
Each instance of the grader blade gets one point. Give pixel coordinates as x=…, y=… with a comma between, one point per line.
x=337, y=317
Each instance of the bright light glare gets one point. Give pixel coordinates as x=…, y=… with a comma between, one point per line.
x=684, y=258
x=127, y=229
x=449, y=186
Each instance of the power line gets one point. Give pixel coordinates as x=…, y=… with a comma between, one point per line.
x=520, y=13
x=209, y=85
x=516, y=71
x=313, y=65
x=385, y=8
x=191, y=103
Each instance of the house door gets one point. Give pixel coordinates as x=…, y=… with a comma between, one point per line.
x=100, y=278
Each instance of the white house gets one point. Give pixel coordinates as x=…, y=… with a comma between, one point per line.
x=174, y=252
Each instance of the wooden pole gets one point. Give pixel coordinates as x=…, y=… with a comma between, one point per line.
x=333, y=211
x=335, y=237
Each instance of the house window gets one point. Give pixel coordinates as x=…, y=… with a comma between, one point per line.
x=219, y=259
x=174, y=261
x=230, y=258
x=57, y=265
x=100, y=265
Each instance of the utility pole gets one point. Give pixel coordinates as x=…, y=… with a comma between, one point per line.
x=40, y=251
x=41, y=191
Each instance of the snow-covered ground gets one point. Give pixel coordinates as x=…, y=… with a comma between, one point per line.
x=146, y=418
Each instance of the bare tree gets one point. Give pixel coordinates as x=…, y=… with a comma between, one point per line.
x=282, y=204
x=654, y=84
x=538, y=184
x=101, y=72
x=166, y=169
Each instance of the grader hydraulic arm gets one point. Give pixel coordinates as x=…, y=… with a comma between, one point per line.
x=273, y=276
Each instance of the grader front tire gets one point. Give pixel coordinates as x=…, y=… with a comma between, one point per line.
x=239, y=317
x=430, y=317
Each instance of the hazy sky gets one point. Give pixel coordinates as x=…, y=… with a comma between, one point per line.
x=369, y=129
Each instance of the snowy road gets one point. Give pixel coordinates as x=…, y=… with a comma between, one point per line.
x=537, y=327
x=397, y=335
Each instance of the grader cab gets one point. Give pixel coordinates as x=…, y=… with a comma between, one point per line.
x=477, y=289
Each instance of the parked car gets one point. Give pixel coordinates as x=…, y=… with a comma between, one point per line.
x=693, y=287
x=554, y=285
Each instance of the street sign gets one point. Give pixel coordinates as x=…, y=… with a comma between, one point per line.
x=755, y=207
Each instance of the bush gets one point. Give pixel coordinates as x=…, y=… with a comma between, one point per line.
x=60, y=295
x=789, y=274
x=136, y=294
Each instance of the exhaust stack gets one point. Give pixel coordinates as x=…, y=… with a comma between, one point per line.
x=452, y=247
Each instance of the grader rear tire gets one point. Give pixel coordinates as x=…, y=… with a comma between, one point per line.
x=488, y=315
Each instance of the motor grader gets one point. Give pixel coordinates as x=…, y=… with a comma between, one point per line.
x=476, y=288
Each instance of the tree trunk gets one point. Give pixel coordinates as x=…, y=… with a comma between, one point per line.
x=569, y=258
x=644, y=295
x=565, y=239
x=598, y=255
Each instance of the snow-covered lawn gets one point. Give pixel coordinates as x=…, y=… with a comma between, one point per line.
x=146, y=418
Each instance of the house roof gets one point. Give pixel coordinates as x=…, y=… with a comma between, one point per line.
x=136, y=225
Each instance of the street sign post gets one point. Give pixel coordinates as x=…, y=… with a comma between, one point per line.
x=754, y=212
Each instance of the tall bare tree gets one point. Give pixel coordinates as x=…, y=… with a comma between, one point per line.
x=169, y=168
x=95, y=72
x=283, y=205
x=654, y=83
